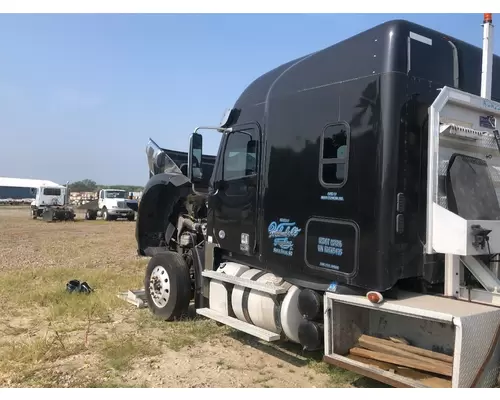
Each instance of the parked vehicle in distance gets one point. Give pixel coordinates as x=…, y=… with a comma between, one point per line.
x=51, y=204
x=111, y=204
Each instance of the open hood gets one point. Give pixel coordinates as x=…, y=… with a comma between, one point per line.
x=162, y=161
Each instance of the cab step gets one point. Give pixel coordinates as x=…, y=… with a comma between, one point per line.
x=253, y=330
x=262, y=287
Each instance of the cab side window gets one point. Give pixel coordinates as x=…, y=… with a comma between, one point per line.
x=334, y=154
x=240, y=156
x=52, y=192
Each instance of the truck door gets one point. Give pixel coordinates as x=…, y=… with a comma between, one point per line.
x=101, y=199
x=234, y=202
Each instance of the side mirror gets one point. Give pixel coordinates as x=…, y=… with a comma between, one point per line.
x=195, y=173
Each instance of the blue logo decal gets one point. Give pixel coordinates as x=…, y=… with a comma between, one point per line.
x=283, y=232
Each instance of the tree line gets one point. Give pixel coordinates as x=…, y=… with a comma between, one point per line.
x=88, y=185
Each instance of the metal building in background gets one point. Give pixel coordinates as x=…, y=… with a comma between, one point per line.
x=19, y=189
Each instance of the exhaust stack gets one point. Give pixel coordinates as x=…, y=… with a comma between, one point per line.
x=487, y=68
x=66, y=197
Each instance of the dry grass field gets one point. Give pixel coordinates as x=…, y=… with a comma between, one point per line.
x=50, y=338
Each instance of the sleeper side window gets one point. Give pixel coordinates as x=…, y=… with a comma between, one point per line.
x=334, y=154
x=240, y=156
x=52, y=192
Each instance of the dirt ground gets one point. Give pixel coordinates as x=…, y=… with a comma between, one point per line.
x=50, y=338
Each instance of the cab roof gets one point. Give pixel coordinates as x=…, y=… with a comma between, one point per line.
x=354, y=58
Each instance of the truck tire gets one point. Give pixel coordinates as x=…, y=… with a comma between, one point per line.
x=168, y=286
x=90, y=215
x=131, y=217
x=105, y=214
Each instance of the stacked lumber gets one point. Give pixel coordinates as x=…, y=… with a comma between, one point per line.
x=398, y=356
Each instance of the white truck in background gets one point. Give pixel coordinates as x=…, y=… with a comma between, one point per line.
x=111, y=204
x=51, y=204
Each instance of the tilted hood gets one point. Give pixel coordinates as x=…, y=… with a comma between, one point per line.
x=165, y=161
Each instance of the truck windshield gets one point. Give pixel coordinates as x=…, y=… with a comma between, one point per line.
x=115, y=194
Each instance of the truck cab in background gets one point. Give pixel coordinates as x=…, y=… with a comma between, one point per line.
x=51, y=203
x=111, y=204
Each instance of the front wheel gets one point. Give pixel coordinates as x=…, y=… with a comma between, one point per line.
x=105, y=214
x=168, y=286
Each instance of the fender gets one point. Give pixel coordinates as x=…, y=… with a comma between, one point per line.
x=160, y=196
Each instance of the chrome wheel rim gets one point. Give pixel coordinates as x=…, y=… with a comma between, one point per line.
x=159, y=286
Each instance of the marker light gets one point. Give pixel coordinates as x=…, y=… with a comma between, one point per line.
x=488, y=18
x=374, y=297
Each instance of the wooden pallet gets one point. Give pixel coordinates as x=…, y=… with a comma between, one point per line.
x=431, y=368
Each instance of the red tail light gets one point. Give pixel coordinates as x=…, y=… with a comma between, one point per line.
x=374, y=297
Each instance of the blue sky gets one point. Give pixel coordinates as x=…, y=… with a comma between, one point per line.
x=81, y=94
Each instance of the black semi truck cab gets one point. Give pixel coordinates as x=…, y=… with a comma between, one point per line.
x=320, y=188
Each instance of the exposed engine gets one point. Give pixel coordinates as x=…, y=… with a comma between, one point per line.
x=191, y=223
